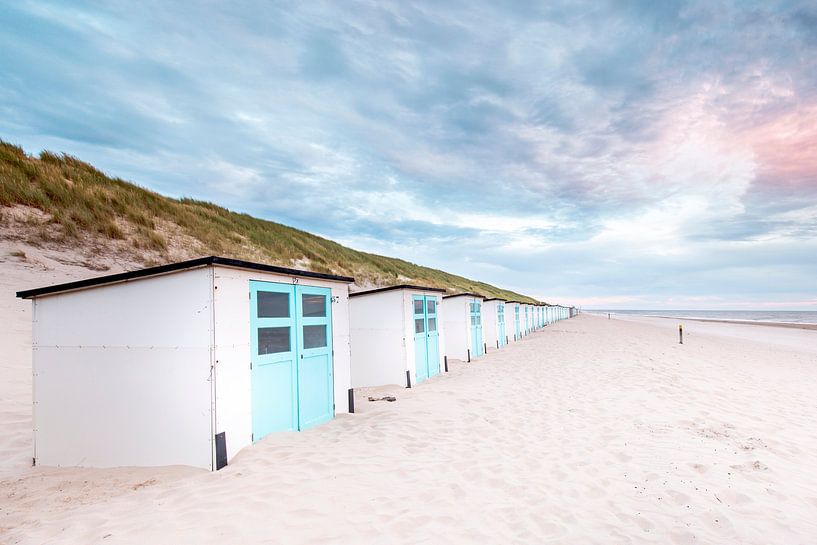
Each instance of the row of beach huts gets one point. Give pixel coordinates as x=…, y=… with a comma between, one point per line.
x=190, y=362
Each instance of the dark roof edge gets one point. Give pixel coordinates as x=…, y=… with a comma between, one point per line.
x=175, y=267
x=398, y=287
x=469, y=294
x=495, y=299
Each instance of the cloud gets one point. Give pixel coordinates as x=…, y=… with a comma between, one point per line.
x=589, y=150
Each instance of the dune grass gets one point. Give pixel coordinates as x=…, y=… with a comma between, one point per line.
x=82, y=201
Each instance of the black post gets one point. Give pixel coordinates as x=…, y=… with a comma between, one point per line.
x=680, y=334
x=469, y=355
x=497, y=344
x=408, y=379
x=506, y=339
x=352, y=400
x=484, y=348
x=445, y=359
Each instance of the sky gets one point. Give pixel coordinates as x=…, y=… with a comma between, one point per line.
x=627, y=154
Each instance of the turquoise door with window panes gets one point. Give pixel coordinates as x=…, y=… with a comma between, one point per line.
x=500, y=323
x=516, y=320
x=274, y=372
x=477, y=348
x=420, y=338
x=291, y=357
x=433, y=336
x=314, y=336
x=426, y=337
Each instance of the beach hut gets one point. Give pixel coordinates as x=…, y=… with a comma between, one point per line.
x=185, y=363
x=493, y=316
x=527, y=311
x=513, y=327
x=463, y=326
x=397, y=335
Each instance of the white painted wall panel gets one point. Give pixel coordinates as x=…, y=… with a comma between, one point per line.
x=108, y=407
x=490, y=322
x=171, y=310
x=122, y=373
x=379, y=328
x=457, y=327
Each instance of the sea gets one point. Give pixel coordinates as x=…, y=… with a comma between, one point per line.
x=776, y=316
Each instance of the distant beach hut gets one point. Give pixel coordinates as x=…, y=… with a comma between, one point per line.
x=528, y=312
x=397, y=335
x=513, y=324
x=463, y=326
x=185, y=363
x=493, y=316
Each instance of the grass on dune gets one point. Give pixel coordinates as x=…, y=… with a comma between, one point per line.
x=82, y=201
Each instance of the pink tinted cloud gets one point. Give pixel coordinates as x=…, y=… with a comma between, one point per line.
x=785, y=149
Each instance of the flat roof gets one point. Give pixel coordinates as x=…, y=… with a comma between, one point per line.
x=175, y=267
x=495, y=299
x=398, y=287
x=463, y=295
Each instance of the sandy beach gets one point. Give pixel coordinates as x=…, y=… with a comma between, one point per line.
x=591, y=431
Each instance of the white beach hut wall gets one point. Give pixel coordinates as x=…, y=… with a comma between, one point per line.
x=397, y=335
x=464, y=338
x=494, y=319
x=185, y=363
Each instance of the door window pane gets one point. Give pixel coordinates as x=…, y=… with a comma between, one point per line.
x=419, y=327
x=314, y=336
x=418, y=306
x=314, y=306
x=273, y=340
x=432, y=325
x=431, y=305
x=273, y=304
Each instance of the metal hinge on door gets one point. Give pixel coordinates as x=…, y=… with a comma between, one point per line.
x=250, y=365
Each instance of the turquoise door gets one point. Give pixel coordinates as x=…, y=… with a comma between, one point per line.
x=433, y=336
x=274, y=350
x=516, y=320
x=291, y=357
x=500, y=323
x=420, y=338
x=477, y=348
x=426, y=337
x=527, y=324
x=315, y=383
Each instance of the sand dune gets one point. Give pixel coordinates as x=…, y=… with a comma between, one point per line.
x=592, y=431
